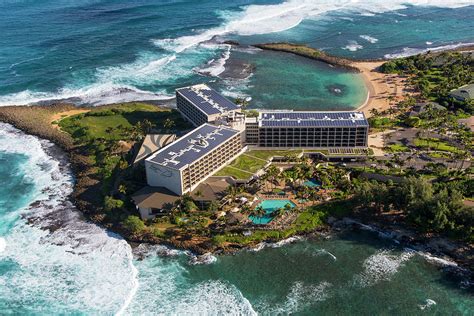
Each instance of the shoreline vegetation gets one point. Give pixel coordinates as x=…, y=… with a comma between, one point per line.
x=100, y=160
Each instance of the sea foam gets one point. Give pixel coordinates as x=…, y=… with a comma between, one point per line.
x=369, y=39
x=3, y=244
x=353, y=46
x=410, y=51
x=381, y=266
x=121, y=83
x=61, y=258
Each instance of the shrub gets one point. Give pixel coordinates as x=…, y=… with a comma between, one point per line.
x=112, y=204
x=133, y=224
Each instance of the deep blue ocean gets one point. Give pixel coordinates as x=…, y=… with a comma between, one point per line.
x=97, y=52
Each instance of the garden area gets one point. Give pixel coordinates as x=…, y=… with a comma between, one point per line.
x=247, y=164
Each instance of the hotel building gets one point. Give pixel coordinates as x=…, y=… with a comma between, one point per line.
x=187, y=162
x=288, y=130
x=201, y=104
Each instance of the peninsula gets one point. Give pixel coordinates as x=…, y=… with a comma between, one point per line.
x=214, y=176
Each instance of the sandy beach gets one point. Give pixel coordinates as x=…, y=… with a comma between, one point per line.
x=385, y=90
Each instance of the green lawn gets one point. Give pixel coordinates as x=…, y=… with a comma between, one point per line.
x=435, y=144
x=251, y=162
x=248, y=163
x=237, y=174
x=99, y=122
x=267, y=154
x=397, y=148
x=439, y=155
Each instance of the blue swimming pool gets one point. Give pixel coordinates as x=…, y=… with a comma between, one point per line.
x=312, y=183
x=270, y=206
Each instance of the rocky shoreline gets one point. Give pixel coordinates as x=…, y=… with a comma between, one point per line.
x=442, y=250
x=312, y=53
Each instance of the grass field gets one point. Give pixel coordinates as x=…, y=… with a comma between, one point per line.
x=267, y=154
x=397, y=148
x=98, y=123
x=237, y=174
x=435, y=144
x=250, y=162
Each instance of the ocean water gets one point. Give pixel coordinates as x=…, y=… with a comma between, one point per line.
x=95, y=52
x=103, y=51
x=53, y=262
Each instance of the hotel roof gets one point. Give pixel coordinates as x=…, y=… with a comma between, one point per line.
x=312, y=119
x=207, y=99
x=192, y=146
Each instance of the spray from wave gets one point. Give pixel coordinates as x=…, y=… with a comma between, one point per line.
x=59, y=259
x=410, y=51
x=122, y=82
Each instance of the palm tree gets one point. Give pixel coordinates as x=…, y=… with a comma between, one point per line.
x=288, y=208
x=273, y=173
x=168, y=123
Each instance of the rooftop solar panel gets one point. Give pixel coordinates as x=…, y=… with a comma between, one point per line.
x=207, y=99
x=192, y=146
x=312, y=119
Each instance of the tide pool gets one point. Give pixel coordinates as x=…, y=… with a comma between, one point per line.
x=286, y=81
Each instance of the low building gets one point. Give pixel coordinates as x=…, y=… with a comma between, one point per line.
x=421, y=108
x=201, y=104
x=464, y=93
x=152, y=201
x=184, y=164
x=293, y=130
x=210, y=190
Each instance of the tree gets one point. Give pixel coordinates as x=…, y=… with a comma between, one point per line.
x=169, y=123
x=111, y=204
x=213, y=206
x=133, y=224
x=243, y=102
x=122, y=189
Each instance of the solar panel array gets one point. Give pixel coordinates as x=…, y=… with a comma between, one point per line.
x=312, y=119
x=192, y=146
x=207, y=99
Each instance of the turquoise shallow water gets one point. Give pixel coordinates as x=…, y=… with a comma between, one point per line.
x=352, y=274
x=78, y=268
x=103, y=51
x=285, y=81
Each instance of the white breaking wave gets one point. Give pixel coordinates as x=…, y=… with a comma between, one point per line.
x=96, y=94
x=409, y=51
x=299, y=297
x=216, y=67
x=206, y=258
x=118, y=84
x=265, y=19
x=3, y=244
x=353, y=46
x=277, y=244
x=428, y=304
x=381, y=267
x=64, y=263
x=369, y=39
x=165, y=290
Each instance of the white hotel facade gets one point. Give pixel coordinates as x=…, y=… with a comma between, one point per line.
x=223, y=132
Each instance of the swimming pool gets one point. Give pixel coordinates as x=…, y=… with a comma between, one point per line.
x=312, y=183
x=270, y=206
